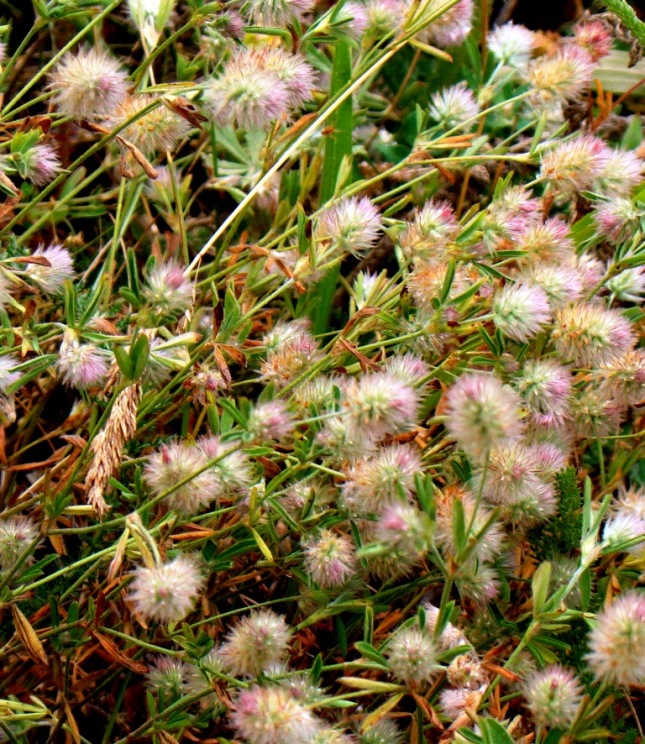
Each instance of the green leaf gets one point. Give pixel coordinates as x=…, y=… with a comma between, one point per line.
x=540, y=586
x=369, y=652
x=458, y=525
x=493, y=732
x=123, y=360
x=139, y=354
x=338, y=147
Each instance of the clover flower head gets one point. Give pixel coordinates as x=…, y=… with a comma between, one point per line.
x=482, y=414
x=591, y=335
x=88, y=85
x=453, y=26
x=278, y=13
x=57, y=269
x=330, y=559
x=82, y=365
x=553, y=696
x=168, y=592
x=617, y=642
x=271, y=715
x=454, y=106
x=16, y=535
x=411, y=656
x=167, y=288
x=173, y=463
x=520, y=311
x=512, y=45
x=353, y=225
x=258, y=641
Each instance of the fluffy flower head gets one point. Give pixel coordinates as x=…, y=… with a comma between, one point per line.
x=482, y=414
x=88, y=85
x=258, y=641
x=617, y=643
x=167, y=593
x=553, y=696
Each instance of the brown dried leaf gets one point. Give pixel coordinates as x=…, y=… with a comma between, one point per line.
x=115, y=653
x=105, y=326
x=28, y=636
x=40, y=260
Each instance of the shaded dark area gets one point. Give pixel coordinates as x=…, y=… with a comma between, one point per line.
x=547, y=15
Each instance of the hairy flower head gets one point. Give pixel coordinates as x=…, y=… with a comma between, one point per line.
x=352, y=225
x=258, y=641
x=88, y=85
x=411, y=656
x=511, y=44
x=168, y=592
x=553, y=696
x=330, y=559
x=482, y=414
x=270, y=715
x=520, y=311
x=590, y=335
x=57, y=269
x=454, y=106
x=617, y=642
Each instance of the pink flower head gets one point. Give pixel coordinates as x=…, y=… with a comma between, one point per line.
x=452, y=27
x=88, y=85
x=624, y=377
x=545, y=386
x=521, y=310
x=431, y=227
x=594, y=37
x=514, y=481
x=353, y=225
x=289, y=356
x=561, y=282
x=258, y=641
x=482, y=414
x=16, y=535
x=620, y=171
x=614, y=215
x=167, y=289
x=353, y=19
x=409, y=368
x=402, y=528
x=175, y=462
x=548, y=240
x=454, y=106
x=230, y=467
x=617, y=642
x=330, y=559
x=271, y=420
x=292, y=70
x=553, y=696
x=167, y=593
x=41, y=164
x=590, y=334
x=247, y=94
x=82, y=365
x=380, y=404
x=270, y=715
x=574, y=165
x=51, y=278
x=278, y=13
x=562, y=76
x=373, y=482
